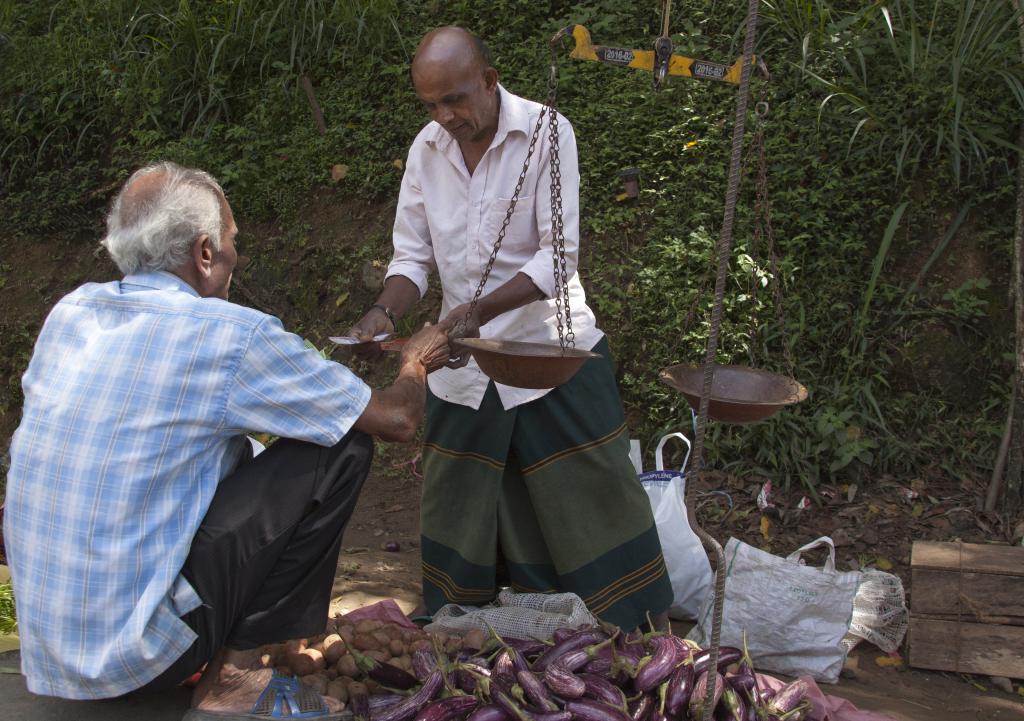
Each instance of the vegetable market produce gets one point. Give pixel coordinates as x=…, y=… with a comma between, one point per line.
x=596, y=673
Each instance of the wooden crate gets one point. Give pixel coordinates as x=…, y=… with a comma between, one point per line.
x=967, y=608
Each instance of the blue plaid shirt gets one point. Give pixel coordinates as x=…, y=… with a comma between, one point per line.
x=136, y=401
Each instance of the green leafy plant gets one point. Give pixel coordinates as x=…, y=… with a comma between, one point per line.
x=8, y=618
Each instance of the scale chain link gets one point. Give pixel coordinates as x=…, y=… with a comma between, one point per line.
x=566, y=338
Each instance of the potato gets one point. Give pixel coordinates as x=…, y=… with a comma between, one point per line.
x=474, y=639
x=293, y=646
x=442, y=637
x=379, y=655
x=393, y=631
x=334, y=648
x=316, y=681
x=356, y=687
x=453, y=644
x=337, y=690
x=346, y=632
x=300, y=664
x=372, y=686
x=347, y=666
x=403, y=662
x=331, y=672
x=308, y=661
x=368, y=626
x=383, y=639
x=422, y=643
x=365, y=642
x=396, y=647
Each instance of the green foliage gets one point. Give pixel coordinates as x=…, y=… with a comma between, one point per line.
x=920, y=99
x=918, y=79
x=8, y=619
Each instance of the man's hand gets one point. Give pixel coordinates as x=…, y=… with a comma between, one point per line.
x=366, y=329
x=462, y=327
x=428, y=346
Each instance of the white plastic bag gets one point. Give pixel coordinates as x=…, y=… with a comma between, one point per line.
x=687, y=563
x=879, y=612
x=795, y=616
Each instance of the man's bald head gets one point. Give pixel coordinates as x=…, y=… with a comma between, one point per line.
x=457, y=84
x=449, y=45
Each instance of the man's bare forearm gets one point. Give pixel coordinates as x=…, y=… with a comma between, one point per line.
x=399, y=295
x=514, y=294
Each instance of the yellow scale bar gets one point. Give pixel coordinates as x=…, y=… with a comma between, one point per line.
x=644, y=60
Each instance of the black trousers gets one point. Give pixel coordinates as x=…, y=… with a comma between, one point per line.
x=264, y=559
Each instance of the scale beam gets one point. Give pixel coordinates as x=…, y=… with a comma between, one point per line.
x=659, y=61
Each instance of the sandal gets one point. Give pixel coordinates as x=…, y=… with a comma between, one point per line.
x=284, y=697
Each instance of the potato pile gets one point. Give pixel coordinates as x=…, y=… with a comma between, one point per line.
x=325, y=664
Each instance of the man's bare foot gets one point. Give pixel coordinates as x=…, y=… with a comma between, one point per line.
x=234, y=680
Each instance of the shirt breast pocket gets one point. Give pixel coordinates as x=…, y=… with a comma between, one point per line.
x=521, y=232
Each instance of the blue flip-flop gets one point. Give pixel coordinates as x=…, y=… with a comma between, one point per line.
x=284, y=697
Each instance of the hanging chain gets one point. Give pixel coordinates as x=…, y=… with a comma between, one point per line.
x=557, y=225
x=763, y=225
x=565, y=335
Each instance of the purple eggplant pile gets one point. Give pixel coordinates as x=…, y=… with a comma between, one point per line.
x=591, y=674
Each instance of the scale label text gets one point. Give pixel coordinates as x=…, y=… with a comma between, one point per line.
x=615, y=56
x=704, y=69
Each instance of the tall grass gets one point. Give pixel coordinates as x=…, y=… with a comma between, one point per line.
x=916, y=80
x=99, y=69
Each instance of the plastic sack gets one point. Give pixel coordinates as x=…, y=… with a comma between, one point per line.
x=688, y=567
x=795, y=616
x=879, y=612
x=516, y=615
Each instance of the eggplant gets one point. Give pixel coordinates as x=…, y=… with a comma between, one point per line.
x=640, y=709
x=552, y=716
x=536, y=691
x=504, y=699
x=383, y=700
x=489, y=712
x=384, y=673
x=586, y=709
x=601, y=689
x=447, y=709
x=578, y=640
x=359, y=704
x=603, y=663
x=527, y=647
x=659, y=665
x=727, y=655
x=789, y=697
x=407, y=708
x=700, y=692
x=563, y=682
x=503, y=663
x=560, y=634
x=519, y=662
x=424, y=660
x=732, y=707
x=679, y=688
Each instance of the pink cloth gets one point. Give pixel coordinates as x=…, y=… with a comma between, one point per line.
x=823, y=706
x=386, y=611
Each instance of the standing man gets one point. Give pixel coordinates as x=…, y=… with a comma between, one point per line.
x=143, y=541
x=538, y=482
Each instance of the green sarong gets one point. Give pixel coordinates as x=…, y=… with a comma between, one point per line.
x=548, y=485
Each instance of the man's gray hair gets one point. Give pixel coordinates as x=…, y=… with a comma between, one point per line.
x=153, y=226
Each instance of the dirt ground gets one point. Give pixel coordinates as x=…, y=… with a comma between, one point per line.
x=388, y=512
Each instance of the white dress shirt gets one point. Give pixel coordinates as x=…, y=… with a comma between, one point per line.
x=448, y=220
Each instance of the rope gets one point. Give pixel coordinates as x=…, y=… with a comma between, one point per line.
x=723, y=248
